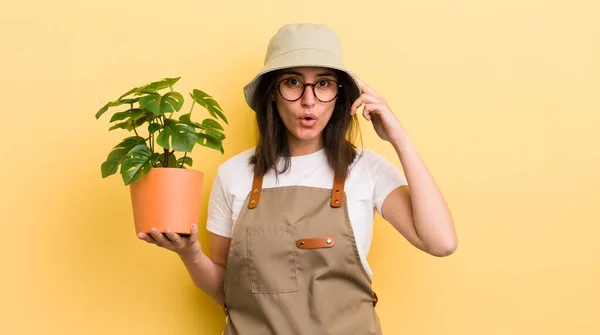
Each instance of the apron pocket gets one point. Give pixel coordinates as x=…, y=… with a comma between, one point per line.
x=272, y=260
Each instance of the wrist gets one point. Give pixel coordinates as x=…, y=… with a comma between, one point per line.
x=193, y=254
x=401, y=144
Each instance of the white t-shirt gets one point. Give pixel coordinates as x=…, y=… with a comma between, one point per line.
x=371, y=178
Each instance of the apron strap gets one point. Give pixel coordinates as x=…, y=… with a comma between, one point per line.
x=337, y=192
x=256, y=190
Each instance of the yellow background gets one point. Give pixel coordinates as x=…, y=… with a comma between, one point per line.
x=499, y=97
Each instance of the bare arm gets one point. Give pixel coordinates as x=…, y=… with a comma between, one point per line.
x=420, y=213
x=208, y=273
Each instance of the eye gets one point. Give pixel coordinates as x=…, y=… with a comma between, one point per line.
x=324, y=83
x=292, y=82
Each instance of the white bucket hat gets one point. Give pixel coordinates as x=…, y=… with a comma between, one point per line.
x=300, y=44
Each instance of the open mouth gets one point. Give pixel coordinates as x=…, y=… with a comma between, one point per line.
x=308, y=120
x=308, y=116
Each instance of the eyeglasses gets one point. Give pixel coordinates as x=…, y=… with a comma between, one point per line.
x=292, y=89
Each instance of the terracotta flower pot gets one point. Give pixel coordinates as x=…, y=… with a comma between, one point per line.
x=167, y=198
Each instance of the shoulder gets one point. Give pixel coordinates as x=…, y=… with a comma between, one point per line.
x=236, y=170
x=364, y=158
x=234, y=164
x=373, y=167
x=360, y=171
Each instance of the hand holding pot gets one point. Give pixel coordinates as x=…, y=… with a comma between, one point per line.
x=182, y=245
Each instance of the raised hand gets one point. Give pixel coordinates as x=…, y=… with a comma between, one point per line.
x=377, y=111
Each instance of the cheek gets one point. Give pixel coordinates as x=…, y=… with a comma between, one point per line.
x=284, y=112
x=327, y=115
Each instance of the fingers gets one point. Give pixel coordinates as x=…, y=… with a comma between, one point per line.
x=194, y=232
x=368, y=100
x=355, y=105
x=175, y=239
x=364, y=98
x=371, y=109
x=169, y=240
x=147, y=238
x=366, y=113
x=160, y=239
x=367, y=89
x=179, y=241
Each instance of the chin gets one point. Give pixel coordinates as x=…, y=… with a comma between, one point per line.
x=307, y=134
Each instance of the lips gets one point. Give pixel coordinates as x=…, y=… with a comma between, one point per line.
x=308, y=120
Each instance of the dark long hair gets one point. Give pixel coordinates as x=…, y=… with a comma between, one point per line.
x=338, y=135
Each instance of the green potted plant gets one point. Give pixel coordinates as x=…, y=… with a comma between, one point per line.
x=164, y=193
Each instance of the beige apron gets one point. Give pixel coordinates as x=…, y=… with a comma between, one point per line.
x=294, y=267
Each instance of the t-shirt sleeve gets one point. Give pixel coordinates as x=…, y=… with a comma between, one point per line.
x=385, y=177
x=219, y=219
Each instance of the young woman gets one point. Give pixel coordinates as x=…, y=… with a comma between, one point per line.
x=291, y=220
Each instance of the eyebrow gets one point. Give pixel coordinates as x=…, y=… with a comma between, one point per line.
x=324, y=74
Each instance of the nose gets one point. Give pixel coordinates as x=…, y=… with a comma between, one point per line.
x=308, y=98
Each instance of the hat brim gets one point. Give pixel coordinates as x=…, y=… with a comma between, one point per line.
x=297, y=58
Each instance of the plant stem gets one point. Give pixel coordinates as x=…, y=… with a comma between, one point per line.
x=133, y=121
x=193, y=103
x=183, y=160
x=171, y=115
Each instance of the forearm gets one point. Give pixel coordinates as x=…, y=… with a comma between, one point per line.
x=206, y=275
x=431, y=216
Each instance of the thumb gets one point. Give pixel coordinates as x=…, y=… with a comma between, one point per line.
x=194, y=232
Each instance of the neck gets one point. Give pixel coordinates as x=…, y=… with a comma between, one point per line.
x=300, y=147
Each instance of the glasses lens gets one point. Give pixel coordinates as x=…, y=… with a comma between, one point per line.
x=325, y=90
x=291, y=89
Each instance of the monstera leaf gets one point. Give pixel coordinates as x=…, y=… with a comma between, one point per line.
x=210, y=142
x=185, y=160
x=209, y=103
x=133, y=117
x=118, y=153
x=171, y=163
x=210, y=134
x=152, y=87
x=162, y=104
x=178, y=136
x=136, y=164
x=114, y=104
